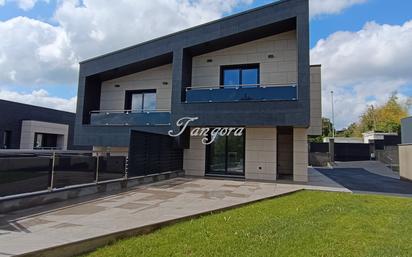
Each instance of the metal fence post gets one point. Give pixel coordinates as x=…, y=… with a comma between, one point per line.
x=126, y=168
x=97, y=167
x=52, y=171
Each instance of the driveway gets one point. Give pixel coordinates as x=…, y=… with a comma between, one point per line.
x=368, y=177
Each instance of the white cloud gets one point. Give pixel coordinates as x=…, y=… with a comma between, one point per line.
x=23, y=4
x=99, y=26
x=364, y=67
x=40, y=98
x=324, y=7
x=35, y=53
x=26, y=4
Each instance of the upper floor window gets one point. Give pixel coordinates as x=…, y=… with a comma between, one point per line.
x=140, y=100
x=239, y=75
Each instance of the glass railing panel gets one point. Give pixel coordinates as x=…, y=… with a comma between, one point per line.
x=24, y=173
x=236, y=94
x=111, y=167
x=130, y=118
x=74, y=169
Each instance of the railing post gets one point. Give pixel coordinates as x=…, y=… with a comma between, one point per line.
x=126, y=164
x=97, y=167
x=52, y=171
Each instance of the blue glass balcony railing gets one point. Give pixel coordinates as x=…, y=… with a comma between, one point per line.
x=268, y=92
x=130, y=118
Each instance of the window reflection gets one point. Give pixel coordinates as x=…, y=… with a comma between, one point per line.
x=141, y=101
x=240, y=75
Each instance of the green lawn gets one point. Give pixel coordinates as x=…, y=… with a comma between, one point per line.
x=305, y=224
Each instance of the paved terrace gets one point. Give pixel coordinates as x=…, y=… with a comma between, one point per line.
x=73, y=221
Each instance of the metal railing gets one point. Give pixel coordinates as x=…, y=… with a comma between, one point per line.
x=24, y=171
x=158, y=117
x=130, y=111
x=262, y=85
x=240, y=93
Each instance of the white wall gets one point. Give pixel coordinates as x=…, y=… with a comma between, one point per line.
x=281, y=69
x=300, y=154
x=194, y=158
x=30, y=127
x=405, y=161
x=113, y=98
x=260, y=162
x=315, y=128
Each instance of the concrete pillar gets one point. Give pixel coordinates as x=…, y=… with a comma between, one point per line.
x=300, y=154
x=332, y=150
x=260, y=154
x=194, y=158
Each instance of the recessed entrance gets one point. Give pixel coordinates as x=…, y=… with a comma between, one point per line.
x=285, y=153
x=226, y=156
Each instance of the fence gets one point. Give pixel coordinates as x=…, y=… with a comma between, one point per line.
x=344, y=151
x=35, y=171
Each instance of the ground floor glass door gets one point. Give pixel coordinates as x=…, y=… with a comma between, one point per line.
x=226, y=156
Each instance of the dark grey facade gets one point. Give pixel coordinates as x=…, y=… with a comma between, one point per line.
x=12, y=115
x=178, y=49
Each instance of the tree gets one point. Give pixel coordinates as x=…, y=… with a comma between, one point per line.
x=349, y=131
x=326, y=131
x=326, y=127
x=385, y=118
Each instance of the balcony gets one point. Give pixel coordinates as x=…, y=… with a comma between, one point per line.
x=241, y=93
x=130, y=118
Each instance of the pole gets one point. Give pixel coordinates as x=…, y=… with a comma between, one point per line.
x=97, y=167
x=333, y=116
x=52, y=171
x=374, y=118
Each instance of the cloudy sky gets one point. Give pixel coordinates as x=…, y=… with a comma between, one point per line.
x=365, y=46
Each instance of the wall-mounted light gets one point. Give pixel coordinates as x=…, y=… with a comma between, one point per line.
x=116, y=85
x=165, y=83
x=271, y=56
x=209, y=60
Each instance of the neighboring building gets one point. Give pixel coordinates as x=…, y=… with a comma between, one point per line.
x=248, y=70
x=25, y=126
x=349, y=140
x=405, y=150
x=406, y=124
x=373, y=136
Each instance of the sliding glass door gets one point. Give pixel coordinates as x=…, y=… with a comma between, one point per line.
x=226, y=156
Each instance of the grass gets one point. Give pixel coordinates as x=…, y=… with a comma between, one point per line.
x=305, y=224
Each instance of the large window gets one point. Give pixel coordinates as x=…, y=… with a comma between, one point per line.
x=44, y=140
x=226, y=156
x=239, y=75
x=139, y=101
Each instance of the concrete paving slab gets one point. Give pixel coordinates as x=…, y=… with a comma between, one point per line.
x=54, y=225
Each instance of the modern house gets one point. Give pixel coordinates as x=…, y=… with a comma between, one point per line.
x=250, y=70
x=29, y=127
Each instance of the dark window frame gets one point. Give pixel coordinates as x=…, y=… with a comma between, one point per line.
x=240, y=67
x=45, y=137
x=7, y=134
x=129, y=94
x=225, y=173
